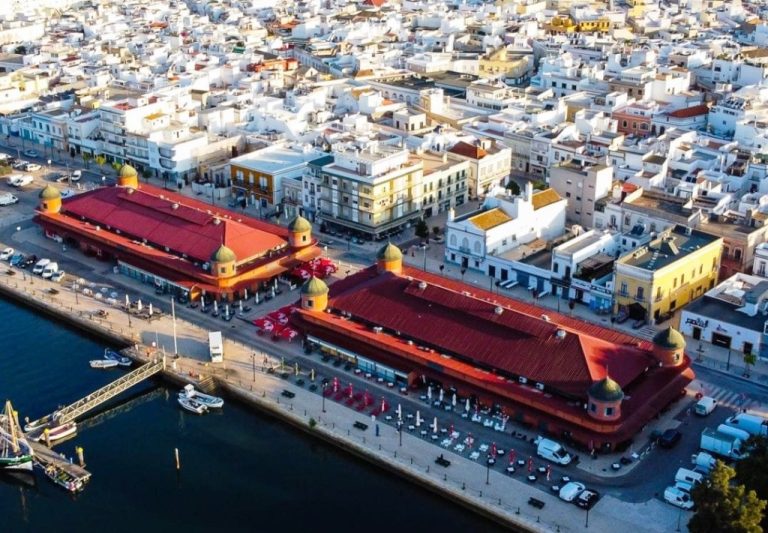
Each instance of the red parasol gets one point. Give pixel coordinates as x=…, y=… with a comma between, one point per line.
x=530, y=464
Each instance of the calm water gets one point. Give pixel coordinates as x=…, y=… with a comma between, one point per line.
x=240, y=470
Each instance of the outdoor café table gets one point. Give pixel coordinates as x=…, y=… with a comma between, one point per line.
x=434, y=436
x=483, y=448
x=474, y=455
x=411, y=427
x=388, y=418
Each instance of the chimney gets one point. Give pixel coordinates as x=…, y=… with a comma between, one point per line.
x=528, y=196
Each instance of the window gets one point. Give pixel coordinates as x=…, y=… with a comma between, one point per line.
x=310, y=303
x=578, y=198
x=609, y=411
x=624, y=291
x=737, y=254
x=593, y=407
x=640, y=293
x=567, y=195
x=477, y=248
x=682, y=279
x=223, y=270
x=556, y=267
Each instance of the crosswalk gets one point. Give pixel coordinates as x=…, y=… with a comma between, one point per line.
x=726, y=397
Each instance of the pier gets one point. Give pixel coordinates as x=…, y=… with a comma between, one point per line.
x=69, y=475
x=83, y=405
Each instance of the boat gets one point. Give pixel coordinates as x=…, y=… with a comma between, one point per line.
x=103, y=363
x=15, y=452
x=111, y=355
x=59, y=432
x=62, y=478
x=192, y=405
x=211, y=402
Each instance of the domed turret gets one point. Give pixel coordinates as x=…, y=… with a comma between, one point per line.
x=390, y=259
x=314, y=295
x=128, y=177
x=605, y=397
x=50, y=199
x=223, y=262
x=669, y=347
x=300, y=232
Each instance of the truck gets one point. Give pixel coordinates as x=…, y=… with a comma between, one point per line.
x=734, y=432
x=216, y=346
x=752, y=424
x=721, y=444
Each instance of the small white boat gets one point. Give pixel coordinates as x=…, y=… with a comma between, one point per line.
x=211, y=402
x=59, y=432
x=191, y=405
x=111, y=355
x=103, y=363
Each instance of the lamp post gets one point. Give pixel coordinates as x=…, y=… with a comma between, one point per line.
x=424, y=248
x=400, y=431
x=325, y=386
x=463, y=271
x=253, y=360
x=488, y=471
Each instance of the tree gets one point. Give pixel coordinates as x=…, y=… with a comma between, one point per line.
x=101, y=160
x=422, y=230
x=540, y=185
x=749, y=360
x=752, y=471
x=514, y=187
x=86, y=158
x=21, y=49
x=436, y=231
x=146, y=173
x=116, y=166
x=723, y=507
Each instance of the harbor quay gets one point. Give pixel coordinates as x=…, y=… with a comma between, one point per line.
x=244, y=376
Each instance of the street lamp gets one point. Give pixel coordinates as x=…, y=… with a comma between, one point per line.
x=325, y=386
x=253, y=360
x=400, y=431
x=488, y=471
x=424, y=247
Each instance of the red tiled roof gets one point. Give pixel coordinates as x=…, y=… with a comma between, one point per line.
x=443, y=316
x=468, y=150
x=690, y=111
x=170, y=220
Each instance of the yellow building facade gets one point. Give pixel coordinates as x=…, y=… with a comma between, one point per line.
x=673, y=269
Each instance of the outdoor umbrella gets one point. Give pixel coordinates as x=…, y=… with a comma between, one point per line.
x=530, y=464
x=549, y=471
x=383, y=405
x=215, y=306
x=272, y=292
x=241, y=306
x=139, y=306
x=493, y=450
x=150, y=309
x=466, y=407
x=470, y=440
x=399, y=411
x=434, y=426
x=350, y=390
x=256, y=298
x=418, y=419
x=296, y=369
x=335, y=384
x=127, y=301
x=312, y=375
x=202, y=301
x=226, y=311
x=245, y=294
x=441, y=395
x=429, y=393
x=512, y=456
x=450, y=429
x=453, y=400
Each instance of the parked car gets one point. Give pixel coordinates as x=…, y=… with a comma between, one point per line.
x=58, y=276
x=587, y=499
x=76, y=175
x=16, y=259
x=670, y=438
x=552, y=451
x=32, y=167
x=678, y=497
x=29, y=261
x=571, y=491
x=40, y=266
x=30, y=153
x=7, y=198
x=6, y=254
x=49, y=270
x=21, y=163
x=20, y=180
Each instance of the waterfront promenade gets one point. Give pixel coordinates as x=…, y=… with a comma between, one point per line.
x=464, y=481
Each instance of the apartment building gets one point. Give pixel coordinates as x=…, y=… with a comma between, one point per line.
x=673, y=269
x=582, y=186
x=444, y=183
x=489, y=164
x=371, y=189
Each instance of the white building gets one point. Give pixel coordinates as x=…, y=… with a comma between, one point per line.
x=732, y=315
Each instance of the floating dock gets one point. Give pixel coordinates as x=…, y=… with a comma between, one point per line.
x=69, y=475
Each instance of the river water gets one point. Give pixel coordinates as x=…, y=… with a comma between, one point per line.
x=240, y=470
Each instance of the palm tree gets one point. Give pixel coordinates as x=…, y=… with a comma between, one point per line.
x=749, y=360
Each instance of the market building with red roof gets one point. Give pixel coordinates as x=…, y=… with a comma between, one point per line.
x=583, y=383
x=176, y=243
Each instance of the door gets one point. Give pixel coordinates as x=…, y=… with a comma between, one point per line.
x=696, y=333
x=492, y=271
x=719, y=339
x=748, y=347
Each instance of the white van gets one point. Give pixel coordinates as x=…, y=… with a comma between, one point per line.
x=733, y=432
x=20, y=180
x=752, y=424
x=690, y=477
x=552, y=451
x=678, y=497
x=705, y=406
x=40, y=266
x=50, y=269
x=76, y=175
